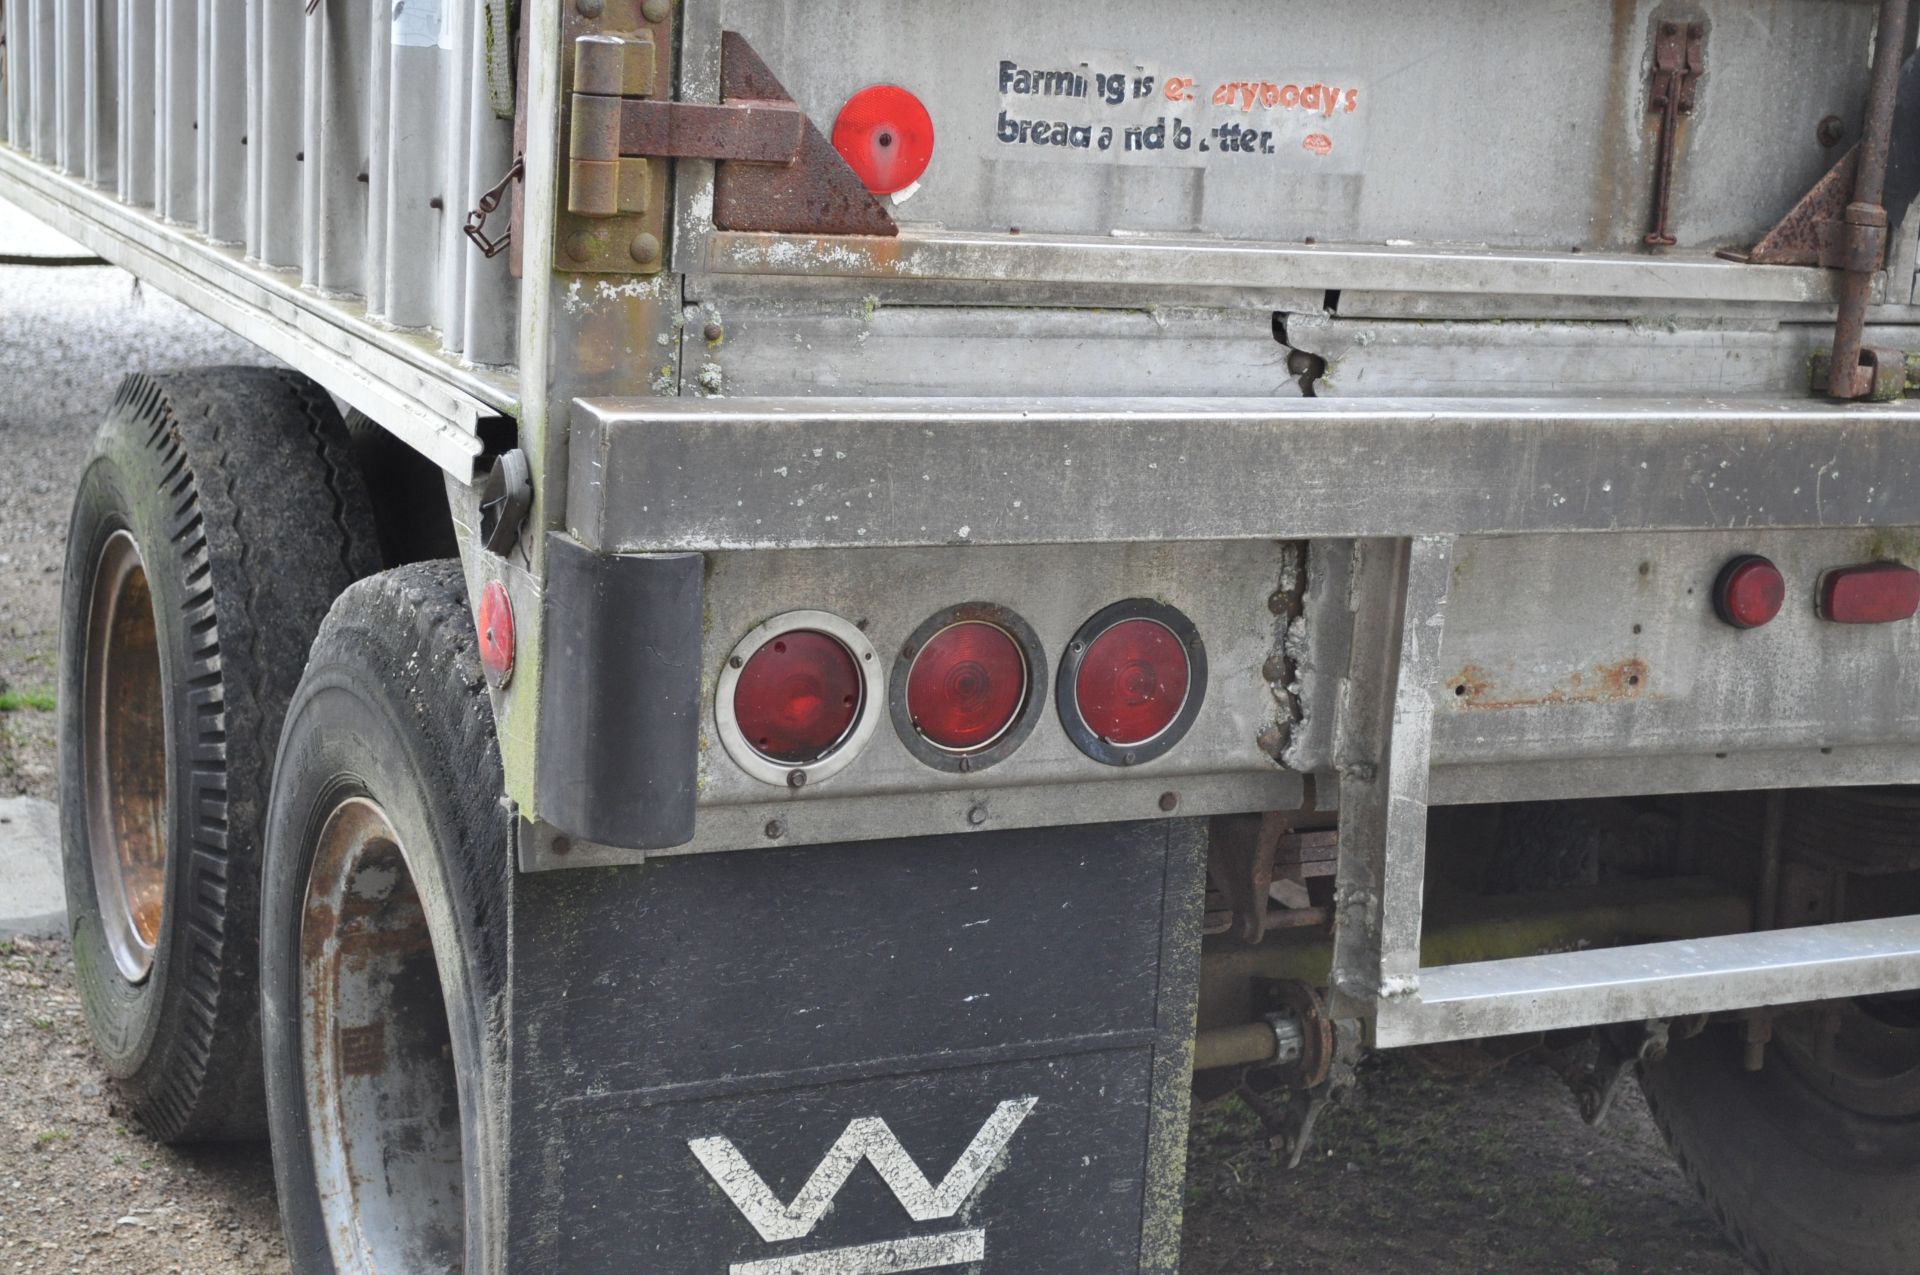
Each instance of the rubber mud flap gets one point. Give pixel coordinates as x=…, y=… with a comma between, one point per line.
x=968, y=1051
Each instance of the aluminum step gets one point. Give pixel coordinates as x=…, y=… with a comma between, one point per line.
x=1654, y=980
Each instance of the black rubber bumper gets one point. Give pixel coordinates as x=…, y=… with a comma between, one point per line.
x=620, y=695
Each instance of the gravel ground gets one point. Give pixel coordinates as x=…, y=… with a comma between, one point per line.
x=1415, y=1176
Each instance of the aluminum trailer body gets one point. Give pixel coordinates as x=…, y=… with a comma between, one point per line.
x=1016, y=553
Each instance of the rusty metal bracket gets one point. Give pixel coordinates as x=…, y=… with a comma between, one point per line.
x=1679, y=60
x=817, y=194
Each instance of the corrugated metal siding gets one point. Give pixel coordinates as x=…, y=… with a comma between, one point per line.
x=340, y=144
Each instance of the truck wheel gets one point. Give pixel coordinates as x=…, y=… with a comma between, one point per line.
x=384, y=939
x=216, y=520
x=1812, y=1163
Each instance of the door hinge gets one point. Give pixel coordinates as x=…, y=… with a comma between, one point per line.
x=776, y=171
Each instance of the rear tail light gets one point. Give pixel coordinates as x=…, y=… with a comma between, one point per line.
x=1132, y=682
x=968, y=687
x=1749, y=592
x=886, y=136
x=1875, y=593
x=794, y=701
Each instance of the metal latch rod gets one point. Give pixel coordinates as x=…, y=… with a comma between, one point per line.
x=1864, y=223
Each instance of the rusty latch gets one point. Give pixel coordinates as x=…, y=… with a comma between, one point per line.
x=616, y=130
x=1679, y=59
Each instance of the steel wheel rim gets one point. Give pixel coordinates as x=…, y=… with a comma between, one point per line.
x=382, y=1095
x=125, y=748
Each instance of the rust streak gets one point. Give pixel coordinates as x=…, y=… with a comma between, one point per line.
x=1629, y=679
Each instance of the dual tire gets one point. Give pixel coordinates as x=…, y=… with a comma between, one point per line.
x=285, y=852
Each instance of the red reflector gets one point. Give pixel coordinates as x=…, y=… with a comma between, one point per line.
x=886, y=137
x=1132, y=682
x=1876, y=593
x=966, y=686
x=1749, y=592
x=797, y=697
x=495, y=623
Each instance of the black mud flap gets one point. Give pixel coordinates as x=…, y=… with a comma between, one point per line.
x=963, y=1054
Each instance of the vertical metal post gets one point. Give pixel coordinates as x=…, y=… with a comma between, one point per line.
x=1382, y=754
x=1847, y=378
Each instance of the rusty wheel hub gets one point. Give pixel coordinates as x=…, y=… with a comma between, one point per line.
x=125, y=752
x=382, y=1097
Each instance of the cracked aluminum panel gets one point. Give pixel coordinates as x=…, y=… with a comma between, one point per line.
x=1219, y=766
x=1581, y=665
x=1369, y=358
x=863, y=348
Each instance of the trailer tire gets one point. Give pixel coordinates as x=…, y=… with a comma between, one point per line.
x=1802, y=1179
x=384, y=924
x=215, y=521
x=410, y=509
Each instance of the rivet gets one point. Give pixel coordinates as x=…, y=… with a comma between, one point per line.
x=1169, y=801
x=561, y=845
x=589, y=8
x=976, y=815
x=645, y=248
x=656, y=10
x=580, y=246
x=713, y=332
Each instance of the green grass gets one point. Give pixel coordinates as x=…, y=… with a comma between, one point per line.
x=15, y=701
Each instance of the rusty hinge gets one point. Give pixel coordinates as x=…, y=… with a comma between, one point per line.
x=775, y=170
x=1679, y=59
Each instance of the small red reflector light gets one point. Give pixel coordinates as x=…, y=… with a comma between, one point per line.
x=798, y=697
x=495, y=622
x=1875, y=593
x=1749, y=592
x=886, y=136
x=967, y=686
x=1132, y=682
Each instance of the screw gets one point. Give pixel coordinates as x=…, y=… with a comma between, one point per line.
x=713, y=332
x=656, y=10
x=796, y=779
x=1129, y=758
x=1830, y=131
x=645, y=248
x=775, y=830
x=1169, y=802
x=735, y=662
x=976, y=815
x=590, y=8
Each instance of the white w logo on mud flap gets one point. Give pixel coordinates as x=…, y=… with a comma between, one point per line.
x=869, y=1139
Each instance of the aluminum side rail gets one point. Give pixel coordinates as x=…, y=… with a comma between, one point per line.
x=718, y=474
x=430, y=402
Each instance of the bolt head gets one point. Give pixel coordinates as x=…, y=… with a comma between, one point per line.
x=775, y=830
x=796, y=779
x=656, y=10
x=713, y=332
x=976, y=815
x=645, y=248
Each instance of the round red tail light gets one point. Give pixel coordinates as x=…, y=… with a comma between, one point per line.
x=1749, y=592
x=1132, y=682
x=798, y=697
x=966, y=686
x=886, y=136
